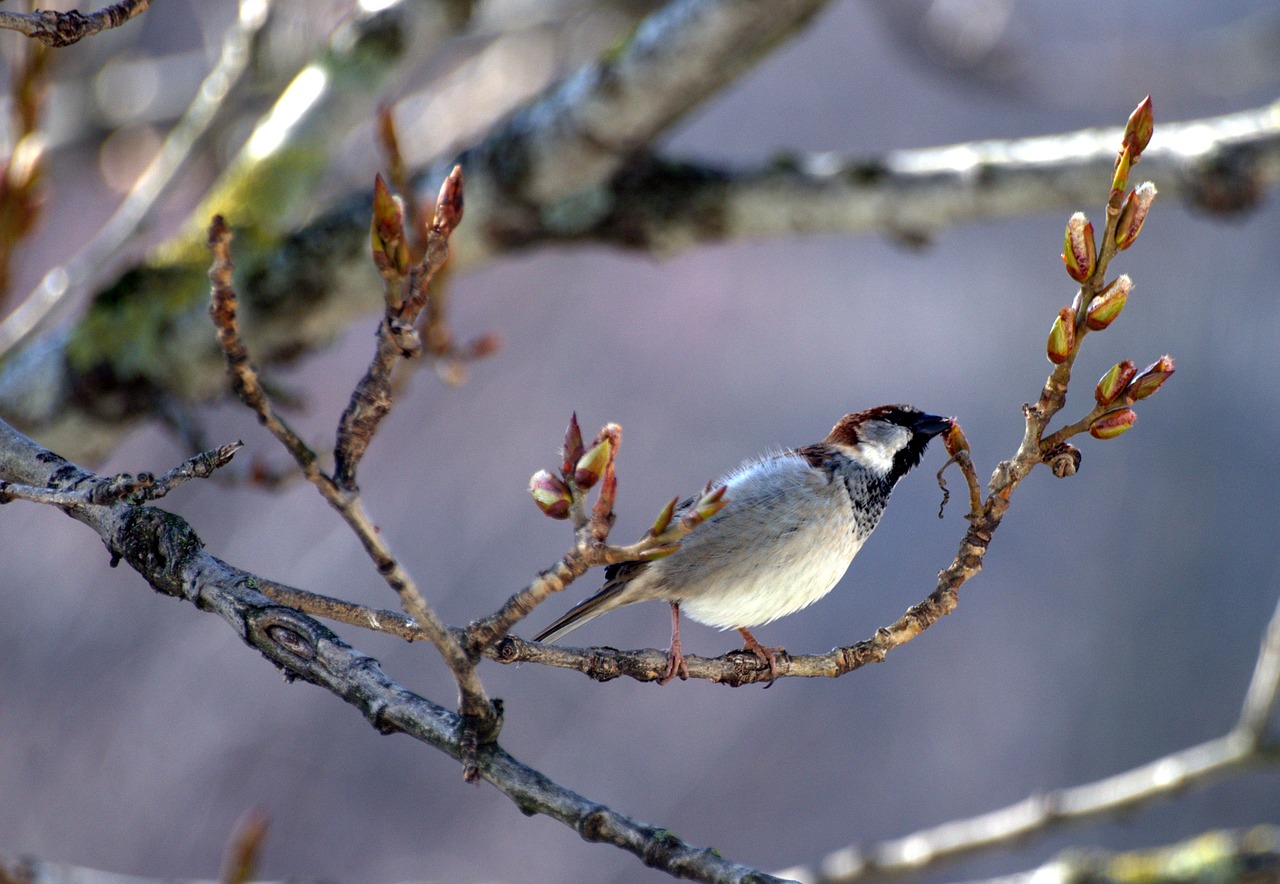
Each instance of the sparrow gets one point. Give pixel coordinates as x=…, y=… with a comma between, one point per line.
x=793, y=523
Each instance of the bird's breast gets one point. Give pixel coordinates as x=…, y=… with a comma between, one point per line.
x=784, y=540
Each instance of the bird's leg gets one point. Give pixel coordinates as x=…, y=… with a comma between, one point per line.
x=768, y=656
x=675, y=659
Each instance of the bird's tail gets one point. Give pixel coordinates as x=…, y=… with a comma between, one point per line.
x=603, y=601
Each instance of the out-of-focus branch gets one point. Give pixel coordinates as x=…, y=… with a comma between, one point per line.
x=65, y=28
x=345, y=499
x=142, y=340
x=663, y=205
x=166, y=551
x=1243, y=855
x=65, y=280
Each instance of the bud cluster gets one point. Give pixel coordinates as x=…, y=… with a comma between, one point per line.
x=1121, y=386
x=1098, y=304
x=581, y=469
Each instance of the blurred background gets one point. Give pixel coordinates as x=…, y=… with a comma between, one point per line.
x=1117, y=617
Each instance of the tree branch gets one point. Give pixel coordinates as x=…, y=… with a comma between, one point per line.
x=166, y=551
x=65, y=28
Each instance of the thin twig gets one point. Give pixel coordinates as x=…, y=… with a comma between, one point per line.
x=473, y=702
x=106, y=490
x=396, y=339
x=166, y=551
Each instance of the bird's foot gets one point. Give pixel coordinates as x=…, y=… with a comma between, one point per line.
x=675, y=665
x=767, y=656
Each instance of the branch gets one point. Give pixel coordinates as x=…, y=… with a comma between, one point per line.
x=572, y=138
x=1243, y=747
x=474, y=703
x=65, y=280
x=166, y=551
x=65, y=28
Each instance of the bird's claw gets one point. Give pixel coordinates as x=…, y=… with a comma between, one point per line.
x=675, y=665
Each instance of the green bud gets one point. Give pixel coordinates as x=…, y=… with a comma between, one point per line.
x=1113, y=423
x=1112, y=384
x=1103, y=310
x=1062, y=336
x=591, y=466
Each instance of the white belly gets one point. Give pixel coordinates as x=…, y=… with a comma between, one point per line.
x=772, y=551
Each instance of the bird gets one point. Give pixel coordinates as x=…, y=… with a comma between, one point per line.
x=793, y=522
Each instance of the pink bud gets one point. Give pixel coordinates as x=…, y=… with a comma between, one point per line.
x=573, y=450
x=1151, y=378
x=449, y=202
x=1139, y=128
x=1133, y=214
x=1079, y=252
x=550, y=494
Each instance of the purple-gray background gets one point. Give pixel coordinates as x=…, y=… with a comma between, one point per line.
x=1117, y=617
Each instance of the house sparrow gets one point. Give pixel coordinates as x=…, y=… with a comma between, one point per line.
x=793, y=523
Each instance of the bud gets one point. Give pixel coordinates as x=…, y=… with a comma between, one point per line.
x=1121, y=177
x=1079, y=251
x=386, y=231
x=1151, y=378
x=550, y=494
x=1062, y=336
x=1113, y=423
x=658, y=552
x=710, y=503
x=1134, y=214
x=1137, y=132
x=449, y=203
x=1103, y=310
x=663, y=522
x=1112, y=384
x=954, y=440
x=573, y=450
x=591, y=466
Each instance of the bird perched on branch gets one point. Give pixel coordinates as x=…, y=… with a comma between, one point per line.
x=792, y=524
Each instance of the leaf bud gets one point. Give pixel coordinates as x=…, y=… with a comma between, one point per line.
x=1113, y=383
x=658, y=552
x=1062, y=336
x=1151, y=378
x=1139, y=128
x=1079, y=251
x=572, y=451
x=550, y=494
x=386, y=231
x=449, y=203
x=663, y=522
x=1121, y=177
x=954, y=440
x=1133, y=214
x=1103, y=310
x=706, y=506
x=1113, y=423
x=591, y=466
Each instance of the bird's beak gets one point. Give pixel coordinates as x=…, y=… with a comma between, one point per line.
x=930, y=425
